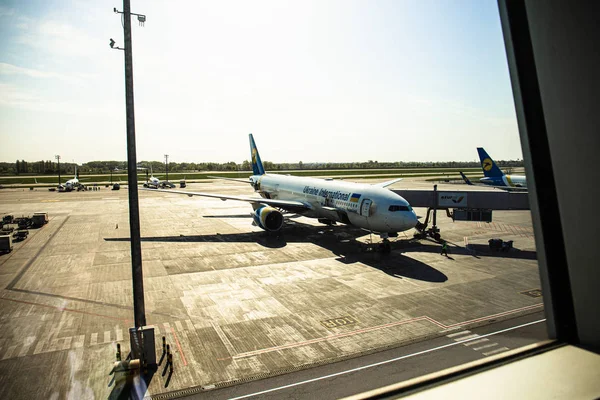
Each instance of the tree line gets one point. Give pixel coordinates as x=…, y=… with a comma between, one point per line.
x=47, y=167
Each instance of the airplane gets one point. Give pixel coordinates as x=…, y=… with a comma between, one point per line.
x=494, y=177
x=155, y=183
x=371, y=207
x=71, y=184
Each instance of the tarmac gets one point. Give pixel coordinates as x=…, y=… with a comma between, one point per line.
x=235, y=304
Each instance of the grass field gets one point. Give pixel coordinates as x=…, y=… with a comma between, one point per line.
x=432, y=173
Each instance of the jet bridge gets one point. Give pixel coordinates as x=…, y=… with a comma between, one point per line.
x=486, y=200
x=462, y=205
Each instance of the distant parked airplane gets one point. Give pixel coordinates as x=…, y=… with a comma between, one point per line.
x=71, y=184
x=155, y=183
x=371, y=207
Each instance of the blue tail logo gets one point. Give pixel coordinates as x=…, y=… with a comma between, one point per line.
x=257, y=167
x=490, y=169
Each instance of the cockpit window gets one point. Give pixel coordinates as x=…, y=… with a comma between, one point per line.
x=400, y=208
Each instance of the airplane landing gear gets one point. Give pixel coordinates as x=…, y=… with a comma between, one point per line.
x=385, y=247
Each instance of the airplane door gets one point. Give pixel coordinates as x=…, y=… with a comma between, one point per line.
x=365, y=207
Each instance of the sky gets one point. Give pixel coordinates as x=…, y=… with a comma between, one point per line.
x=314, y=81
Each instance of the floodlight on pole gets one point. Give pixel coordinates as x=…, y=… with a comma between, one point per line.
x=141, y=336
x=112, y=45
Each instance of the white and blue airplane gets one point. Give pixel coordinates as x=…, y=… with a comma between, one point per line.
x=371, y=207
x=71, y=184
x=494, y=177
x=153, y=182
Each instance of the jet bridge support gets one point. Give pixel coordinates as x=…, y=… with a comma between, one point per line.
x=461, y=206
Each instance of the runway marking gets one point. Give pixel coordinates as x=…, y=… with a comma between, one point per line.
x=365, y=330
x=500, y=350
x=179, y=346
x=179, y=326
x=27, y=343
x=106, y=337
x=458, y=334
x=349, y=371
x=477, y=342
x=224, y=339
x=487, y=346
x=94, y=339
x=190, y=325
x=39, y=346
x=119, y=333
x=463, y=338
x=487, y=317
x=67, y=343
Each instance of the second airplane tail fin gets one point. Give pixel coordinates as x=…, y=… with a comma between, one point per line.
x=257, y=167
x=490, y=169
x=467, y=181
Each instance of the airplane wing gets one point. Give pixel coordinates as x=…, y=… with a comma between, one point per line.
x=290, y=205
x=230, y=179
x=387, y=183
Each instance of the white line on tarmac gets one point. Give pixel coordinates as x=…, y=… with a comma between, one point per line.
x=380, y=363
x=487, y=346
x=501, y=349
x=477, y=342
x=465, y=338
x=458, y=334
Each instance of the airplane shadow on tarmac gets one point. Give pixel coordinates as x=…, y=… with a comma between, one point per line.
x=340, y=240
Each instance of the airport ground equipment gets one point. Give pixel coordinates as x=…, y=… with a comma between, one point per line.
x=461, y=205
x=500, y=245
x=6, y=243
x=22, y=222
x=39, y=219
x=20, y=235
x=182, y=183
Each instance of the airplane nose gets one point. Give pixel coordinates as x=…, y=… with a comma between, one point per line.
x=414, y=219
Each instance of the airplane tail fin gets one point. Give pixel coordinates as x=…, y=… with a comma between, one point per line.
x=490, y=169
x=467, y=181
x=257, y=167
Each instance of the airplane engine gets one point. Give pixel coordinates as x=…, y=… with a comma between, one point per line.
x=268, y=218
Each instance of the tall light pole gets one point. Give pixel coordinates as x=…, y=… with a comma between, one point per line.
x=167, y=165
x=142, y=339
x=58, y=159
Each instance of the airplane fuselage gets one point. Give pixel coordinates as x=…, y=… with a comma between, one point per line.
x=518, y=181
x=366, y=206
x=72, y=183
